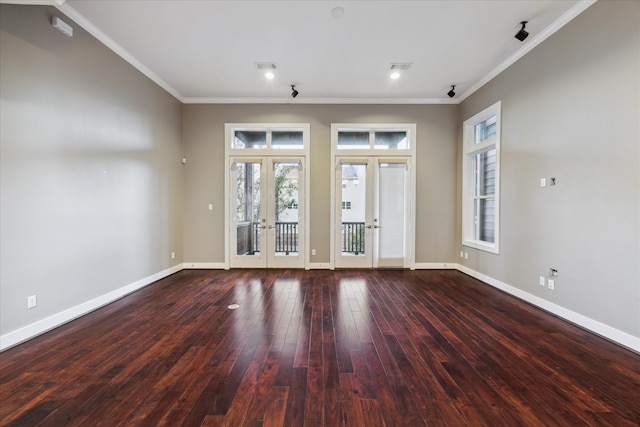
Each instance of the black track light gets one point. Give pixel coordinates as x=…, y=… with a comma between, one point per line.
x=522, y=34
x=294, y=92
x=452, y=93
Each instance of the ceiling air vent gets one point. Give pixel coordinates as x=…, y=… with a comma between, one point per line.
x=265, y=65
x=400, y=66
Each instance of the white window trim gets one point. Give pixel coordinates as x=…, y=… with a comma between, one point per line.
x=274, y=153
x=353, y=154
x=230, y=128
x=410, y=128
x=470, y=149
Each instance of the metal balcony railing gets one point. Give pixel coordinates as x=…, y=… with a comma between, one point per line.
x=353, y=237
x=287, y=237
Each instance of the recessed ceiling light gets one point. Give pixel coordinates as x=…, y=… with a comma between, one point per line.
x=395, y=75
x=269, y=75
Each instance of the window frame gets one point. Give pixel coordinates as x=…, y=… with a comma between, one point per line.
x=470, y=170
x=269, y=149
x=274, y=154
x=372, y=129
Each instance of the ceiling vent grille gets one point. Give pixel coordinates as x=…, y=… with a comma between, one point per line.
x=401, y=66
x=265, y=65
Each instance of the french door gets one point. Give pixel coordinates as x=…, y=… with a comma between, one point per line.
x=266, y=212
x=372, y=212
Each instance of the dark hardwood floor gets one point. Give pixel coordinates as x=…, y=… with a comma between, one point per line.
x=319, y=348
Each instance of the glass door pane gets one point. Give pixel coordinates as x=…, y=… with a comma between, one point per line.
x=391, y=220
x=286, y=209
x=353, y=215
x=247, y=238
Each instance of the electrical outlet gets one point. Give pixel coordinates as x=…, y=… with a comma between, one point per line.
x=210, y=206
x=461, y=254
x=313, y=251
x=173, y=255
x=551, y=284
x=466, y=255
x=542, y=281
x=543, y=182
x=32, y=301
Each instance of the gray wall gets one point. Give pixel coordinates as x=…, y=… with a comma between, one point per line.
x=91, y=180
x=93, y=195
x=436, y=171
x=571, y=110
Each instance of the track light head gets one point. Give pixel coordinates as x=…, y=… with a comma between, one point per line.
x=522, y=34
x=452, y=93
x=294, y=92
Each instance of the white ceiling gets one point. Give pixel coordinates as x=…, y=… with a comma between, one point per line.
x=205, y=51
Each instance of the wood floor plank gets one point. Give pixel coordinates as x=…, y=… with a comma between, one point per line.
x=275, y=413
x=319, y=348
x=265, y=381
x=294, y=415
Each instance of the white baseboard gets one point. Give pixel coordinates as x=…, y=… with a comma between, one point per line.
x=204, y=265
x=319, y=266
x=594, y=326
x=435, y=266
x=41, y=326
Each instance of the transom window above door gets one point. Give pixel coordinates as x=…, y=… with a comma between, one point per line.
x=389, y=139
x=272, y=138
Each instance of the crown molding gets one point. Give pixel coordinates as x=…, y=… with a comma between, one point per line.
x=111, y=44
x=79, y=19
x=527, y=47
x=359, y=101
x=34, y=2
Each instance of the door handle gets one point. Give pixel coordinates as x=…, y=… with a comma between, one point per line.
x=369, y=226
x=376, y=226
x=271, y=226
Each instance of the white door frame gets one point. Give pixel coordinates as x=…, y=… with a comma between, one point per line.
x=267, y=257
x=375, y=153
x=244, y=261
x=364, y=260
x=271, y=153
x=372, y=216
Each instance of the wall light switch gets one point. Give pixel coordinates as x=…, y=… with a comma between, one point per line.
x=542, y=280
x=543, y=182
x=32, y=301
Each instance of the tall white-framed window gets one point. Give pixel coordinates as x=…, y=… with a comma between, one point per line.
x=481, y=180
